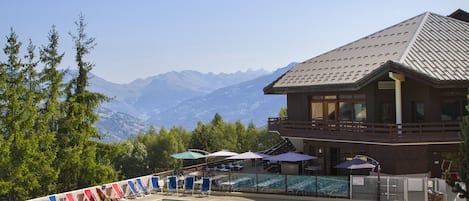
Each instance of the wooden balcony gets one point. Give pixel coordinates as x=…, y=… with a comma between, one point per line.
x=427, y=133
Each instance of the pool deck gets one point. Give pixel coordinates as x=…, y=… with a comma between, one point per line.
x=234, y=196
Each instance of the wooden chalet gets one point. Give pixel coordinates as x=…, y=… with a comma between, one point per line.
x=396, y=95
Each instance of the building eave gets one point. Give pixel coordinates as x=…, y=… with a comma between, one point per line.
x=372, y=76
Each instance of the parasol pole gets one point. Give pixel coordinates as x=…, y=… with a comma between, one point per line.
x=205, y=152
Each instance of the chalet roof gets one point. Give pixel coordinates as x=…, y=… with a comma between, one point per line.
x=434, y=46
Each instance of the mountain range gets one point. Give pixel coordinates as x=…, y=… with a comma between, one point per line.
x=184, y=98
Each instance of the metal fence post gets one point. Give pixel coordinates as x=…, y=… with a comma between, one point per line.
x=350, y=179
x=406, y=189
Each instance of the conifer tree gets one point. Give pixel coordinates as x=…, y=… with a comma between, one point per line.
x=19, y=119
x=5, y=141
x=47, y=127
x=77, y=152
x=30, y=106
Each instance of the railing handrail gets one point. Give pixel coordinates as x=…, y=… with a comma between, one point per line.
x=368, y=131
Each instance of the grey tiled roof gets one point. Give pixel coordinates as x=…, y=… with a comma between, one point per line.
x=434, y=45
x=441, y=49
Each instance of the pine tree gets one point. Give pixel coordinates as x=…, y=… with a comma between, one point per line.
x=51, y=85
x=30, y=106
x=5, y=140
x=20, y=115
x=464, y=165
x=77, y=151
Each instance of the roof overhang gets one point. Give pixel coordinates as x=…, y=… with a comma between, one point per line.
x=389, y=66
x=460, y=15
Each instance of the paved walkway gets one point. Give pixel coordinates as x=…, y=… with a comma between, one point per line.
x=234, y=196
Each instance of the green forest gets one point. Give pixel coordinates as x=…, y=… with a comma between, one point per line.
x=49, y=143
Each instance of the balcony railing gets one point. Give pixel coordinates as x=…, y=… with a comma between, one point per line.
x=368, y=132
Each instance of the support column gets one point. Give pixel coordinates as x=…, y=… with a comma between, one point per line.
x=398, y=78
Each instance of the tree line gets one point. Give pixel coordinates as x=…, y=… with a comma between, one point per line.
x=49, y=143
x=150, y=151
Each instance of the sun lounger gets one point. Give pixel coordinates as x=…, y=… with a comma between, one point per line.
x=69, y=197
x=172, y=184
x=89, y=195
x=118, y=191
x=133, y=189
x=189, y=184
x=103, y=197
x=141, y=186
x=52, y=198
x=155, y=186
x=206, y=186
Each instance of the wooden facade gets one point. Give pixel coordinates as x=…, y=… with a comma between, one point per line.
x=397, y=95
x=418, y=145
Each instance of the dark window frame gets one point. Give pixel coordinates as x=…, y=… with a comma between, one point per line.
x=325, y=99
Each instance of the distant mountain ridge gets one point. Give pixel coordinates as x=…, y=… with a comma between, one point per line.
x=184, y=98
x=146, y=97
x=244, y=101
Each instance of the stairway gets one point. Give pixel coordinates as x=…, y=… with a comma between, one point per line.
x=283, y=147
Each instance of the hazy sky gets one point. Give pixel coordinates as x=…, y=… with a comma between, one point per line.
x=141, y=38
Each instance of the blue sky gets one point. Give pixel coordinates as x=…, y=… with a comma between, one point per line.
x=141, y=38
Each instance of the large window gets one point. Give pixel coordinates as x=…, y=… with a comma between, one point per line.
x=345, y=111
x=359, y=110
x=453, y=109
x=317, y=110
x=347, y=107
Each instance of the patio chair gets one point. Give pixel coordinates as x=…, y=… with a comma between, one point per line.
x=206, y=185
x=89, y=195
x=141, y=186
x=133, y=189
x=52, y=198
x=69, y=197
x=172, y=184
x=155, y=186
x=118, y=191
x=189, y=184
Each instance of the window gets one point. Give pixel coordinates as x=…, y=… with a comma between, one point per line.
x=331, y=111
x=453, y=109
x=387, y=113
x=343, y=107
x=359, y=111
x=418, y=111
x=345, y=111
x=316, y=111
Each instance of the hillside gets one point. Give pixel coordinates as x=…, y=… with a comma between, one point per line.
x=244, y=101
x=183, y=99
